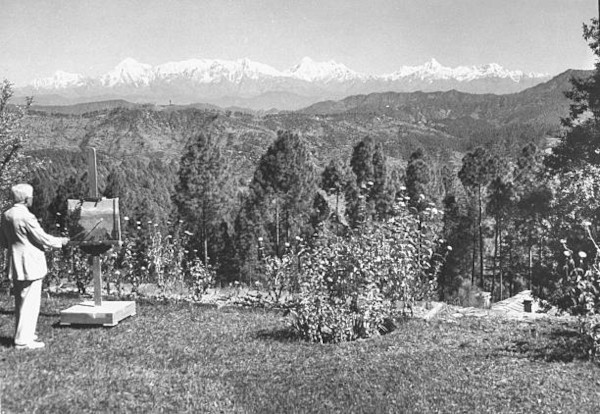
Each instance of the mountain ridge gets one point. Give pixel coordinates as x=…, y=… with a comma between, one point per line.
x=450, y=121
x=212, y=80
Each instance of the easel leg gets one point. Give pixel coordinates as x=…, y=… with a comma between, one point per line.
x=97, y=272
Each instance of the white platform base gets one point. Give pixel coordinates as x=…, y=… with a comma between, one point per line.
x=107, y=314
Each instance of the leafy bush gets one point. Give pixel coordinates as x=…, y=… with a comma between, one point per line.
x=280, y=274
x=581, y=284
x=201, y=277
x=147, y=255
x=355, y=286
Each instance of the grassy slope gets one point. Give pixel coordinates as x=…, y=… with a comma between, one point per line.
x=186, y=358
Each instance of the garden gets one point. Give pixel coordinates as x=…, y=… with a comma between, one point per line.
x=306, y=288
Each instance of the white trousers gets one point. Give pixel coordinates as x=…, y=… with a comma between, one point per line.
x=28, y=295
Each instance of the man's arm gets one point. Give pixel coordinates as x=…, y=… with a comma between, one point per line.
x=39, y=236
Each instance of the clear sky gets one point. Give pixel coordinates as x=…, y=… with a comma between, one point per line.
x=38, y=37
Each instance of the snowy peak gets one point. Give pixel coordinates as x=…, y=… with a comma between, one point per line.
x=128, y=72
x=311, y=71
x=59, y=80
x=238, y=81
x=433, y=70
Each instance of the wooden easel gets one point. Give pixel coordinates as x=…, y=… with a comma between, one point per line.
x=107, y=313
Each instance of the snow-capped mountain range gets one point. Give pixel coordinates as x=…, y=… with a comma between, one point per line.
x=252, y=84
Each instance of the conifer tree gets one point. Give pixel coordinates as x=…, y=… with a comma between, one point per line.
x=418, y=177
x=203, y=193
x=380, y=196
x=279, y=204
x=361, y=162
x=371, y=195
x=458, y=235
x=475, y=174
x=500, y=203
x=581, y=143
x=333, y=180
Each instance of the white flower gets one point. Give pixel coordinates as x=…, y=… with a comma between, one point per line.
x=126, y=218
x=567, y=253
x=422, y=196
x=449, y=248
x=563, y=241
x=260, y=239
x=582, y=255
x=586, y=223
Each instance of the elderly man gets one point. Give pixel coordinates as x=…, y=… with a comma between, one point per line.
x=25, y=240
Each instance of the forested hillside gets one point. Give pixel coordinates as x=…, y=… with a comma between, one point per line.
x=444, y=121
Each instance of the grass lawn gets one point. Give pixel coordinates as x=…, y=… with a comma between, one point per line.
x=180, y=357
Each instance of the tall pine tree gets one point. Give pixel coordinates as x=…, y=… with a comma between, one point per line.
x=203, y=194
x=279, y=204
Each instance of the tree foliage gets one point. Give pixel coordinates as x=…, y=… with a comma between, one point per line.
x=204, y=193
x=14, y=164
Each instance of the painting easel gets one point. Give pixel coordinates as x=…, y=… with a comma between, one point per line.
x=99, y=225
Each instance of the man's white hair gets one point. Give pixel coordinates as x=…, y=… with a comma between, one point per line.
x=21, y=192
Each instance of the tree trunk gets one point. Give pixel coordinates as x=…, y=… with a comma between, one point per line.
x=480, y=238
x=494, y=265
x=500, y=271
x=473, y=255
x=530, y=265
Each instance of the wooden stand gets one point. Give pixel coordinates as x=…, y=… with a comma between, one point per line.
x=97, y=312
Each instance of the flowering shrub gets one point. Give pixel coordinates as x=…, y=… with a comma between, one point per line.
x=201, y=277
x=280, y=273
x=146, y=255
x=355, y=286
x=582, y=283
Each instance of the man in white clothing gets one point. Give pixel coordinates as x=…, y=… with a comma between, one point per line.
x=22, y=235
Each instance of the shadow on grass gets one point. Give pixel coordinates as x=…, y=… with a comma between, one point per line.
x=57, y=325
x=557, y=346
x=42, y=314
x=280, y=335
x=288, y=334
x=69, y=295
x=6, y=341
